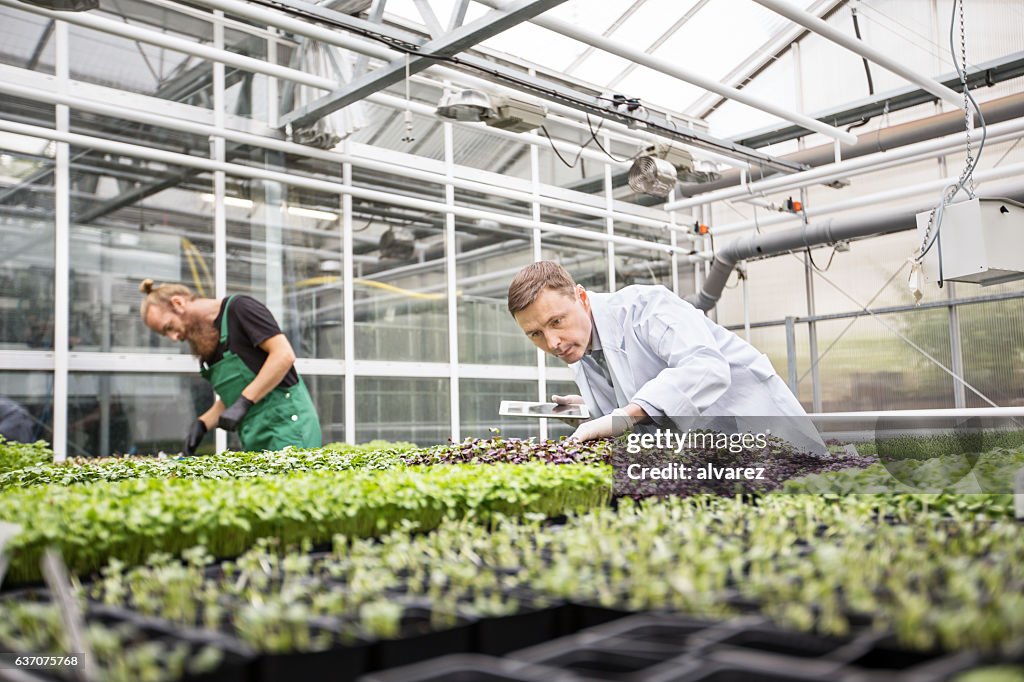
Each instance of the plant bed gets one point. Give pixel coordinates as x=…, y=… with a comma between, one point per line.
x=340, y=661
x=465, y=668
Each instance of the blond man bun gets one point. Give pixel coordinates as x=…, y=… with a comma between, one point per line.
x=161, y=295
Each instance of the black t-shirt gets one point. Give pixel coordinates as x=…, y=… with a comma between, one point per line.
x=250, y=323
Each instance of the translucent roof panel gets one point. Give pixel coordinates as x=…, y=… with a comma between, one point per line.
x=709, y=37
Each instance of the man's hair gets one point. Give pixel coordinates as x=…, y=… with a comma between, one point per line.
x=161, y=295
x=528, y=284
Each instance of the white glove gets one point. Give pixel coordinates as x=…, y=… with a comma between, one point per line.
x=608, y=426
x=567, y=399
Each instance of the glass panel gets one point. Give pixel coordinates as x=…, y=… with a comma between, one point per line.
x=489, y=256
x=26, y=241
x=870, y=368
x=416, y=410
x=135, y=66
x=26, y=40
x=110, y=413
x=133, y=219
x=993, y=349
x=26, y=406
x=328, y=394
x=284, y=249
x=479, y=400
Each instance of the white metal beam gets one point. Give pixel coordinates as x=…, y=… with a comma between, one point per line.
x=672, y=69
x=671, y=31
x=394, y=71
x=822, y=28
x=759, y=59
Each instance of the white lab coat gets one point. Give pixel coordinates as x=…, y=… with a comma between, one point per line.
x=676, y=363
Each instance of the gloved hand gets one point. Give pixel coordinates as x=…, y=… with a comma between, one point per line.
x=233, y=416
x=194, y=438
x=567, y=399
x=608, y=426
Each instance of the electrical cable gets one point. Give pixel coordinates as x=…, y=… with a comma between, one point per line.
x=949, y=192
x=593, y=136
x=561, y=158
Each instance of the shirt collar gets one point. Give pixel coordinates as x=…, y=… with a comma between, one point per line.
x=595, y=340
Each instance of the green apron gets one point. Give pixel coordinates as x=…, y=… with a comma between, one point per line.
x=285, y=416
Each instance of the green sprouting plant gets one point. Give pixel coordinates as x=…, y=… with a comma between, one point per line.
x=15, y=456
x=381, y=619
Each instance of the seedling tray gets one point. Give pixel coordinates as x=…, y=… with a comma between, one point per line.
x=466, y=668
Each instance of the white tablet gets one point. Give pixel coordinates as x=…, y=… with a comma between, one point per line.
x=522, y=408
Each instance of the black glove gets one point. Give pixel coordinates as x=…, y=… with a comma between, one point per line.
x=194, y=438
x=233, y=416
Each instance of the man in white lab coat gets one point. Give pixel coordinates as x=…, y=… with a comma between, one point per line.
x=643, y=354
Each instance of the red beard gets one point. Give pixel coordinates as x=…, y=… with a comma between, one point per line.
x=203, y=338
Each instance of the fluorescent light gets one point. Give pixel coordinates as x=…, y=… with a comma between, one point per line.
x=229, y=201
x=312, y=213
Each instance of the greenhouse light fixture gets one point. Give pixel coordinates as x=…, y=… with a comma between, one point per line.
x=229, y=201
x=465, y=105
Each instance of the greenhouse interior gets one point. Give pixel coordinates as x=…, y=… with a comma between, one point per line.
x=512, y=340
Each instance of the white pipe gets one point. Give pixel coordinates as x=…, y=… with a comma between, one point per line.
x=310, y=183
x=672, y=69
x=998, y=173
x=833, y=171
x=822, y=28
x=151, y=118
x=915, y=414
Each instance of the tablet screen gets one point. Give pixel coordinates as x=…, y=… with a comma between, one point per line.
x=520, y=408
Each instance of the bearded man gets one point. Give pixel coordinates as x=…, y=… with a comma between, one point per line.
x=248, y=360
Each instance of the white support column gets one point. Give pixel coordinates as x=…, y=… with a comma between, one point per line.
x=609, y=206
x=220, y=229
x=451, y=264
x=62, y=254
x=348, y=312
x=538, y=255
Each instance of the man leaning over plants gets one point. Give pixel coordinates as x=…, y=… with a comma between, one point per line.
x=248, y=360
x=643, y=354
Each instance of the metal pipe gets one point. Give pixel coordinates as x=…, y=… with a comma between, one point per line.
x=834, y=171
x=997, y=173
x=995, y=111
x=822, y=28
x=810, y=236
x=671, y=68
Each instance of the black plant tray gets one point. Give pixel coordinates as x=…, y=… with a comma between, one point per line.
x=236, y=658
x=419, y=641
x=651, y=629
x=883, y=656
x=600, y=659
x=532, y=625
x=767, y=638
x=723, y=672
x=340, y=664
x=588, y=614
x=466, y=668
